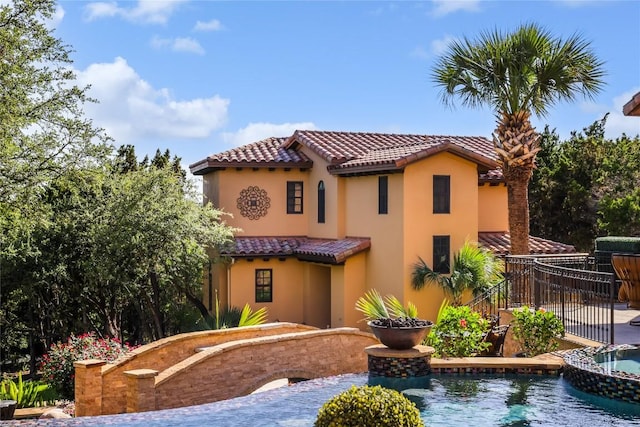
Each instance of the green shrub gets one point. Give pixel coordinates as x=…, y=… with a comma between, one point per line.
x=459, y=332
x=368, y=406
x=618, y=244
x=536, y=330
x=57, y=365
x=27, y=394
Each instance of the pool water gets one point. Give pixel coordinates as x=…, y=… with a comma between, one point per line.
x=630, y=363
x=443, y=400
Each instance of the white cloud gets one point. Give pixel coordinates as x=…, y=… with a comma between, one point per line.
x=179, y=44
x=130, y=109
x=57, y=17
x=213, y=25
x=445, y=7
x=618, y=123
x=439, y=46
x=145, y=11
x=257, y=131
x=419, y=52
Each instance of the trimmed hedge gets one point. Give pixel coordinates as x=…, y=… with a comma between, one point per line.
x=618, y=244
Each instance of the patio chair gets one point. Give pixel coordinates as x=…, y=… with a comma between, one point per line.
x=627, y=267
x=495, y=337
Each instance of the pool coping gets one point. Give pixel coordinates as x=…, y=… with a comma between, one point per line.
x=546, y=364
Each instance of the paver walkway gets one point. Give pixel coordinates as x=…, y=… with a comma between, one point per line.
x=624, y=333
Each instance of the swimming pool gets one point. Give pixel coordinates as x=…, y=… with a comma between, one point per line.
x=443, y=400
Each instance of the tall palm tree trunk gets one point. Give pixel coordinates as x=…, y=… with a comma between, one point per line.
x=518, y=201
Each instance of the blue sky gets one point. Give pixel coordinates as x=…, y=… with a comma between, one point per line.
x=200, y=77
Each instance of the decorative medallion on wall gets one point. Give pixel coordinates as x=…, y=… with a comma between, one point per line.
x=253, y=202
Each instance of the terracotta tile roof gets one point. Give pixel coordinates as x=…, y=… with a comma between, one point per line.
x=356, y=152
x=268, y=153
x=331, y=251
x=493, y=176
x=350, y=153
x=499, y=243
x=632, y=108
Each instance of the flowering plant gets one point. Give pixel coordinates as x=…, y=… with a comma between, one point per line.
x=57, y=365
x=459, y=332
x=536, y=330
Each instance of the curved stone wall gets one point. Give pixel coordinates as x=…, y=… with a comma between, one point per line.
x=583, y=371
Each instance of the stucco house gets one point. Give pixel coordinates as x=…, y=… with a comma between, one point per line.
x=327, y=216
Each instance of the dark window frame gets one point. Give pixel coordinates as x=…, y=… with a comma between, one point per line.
x=441, y=194
x=321, y=203
x=442, y=254
x=383, y=195
x=294, y=197
x=264, y=285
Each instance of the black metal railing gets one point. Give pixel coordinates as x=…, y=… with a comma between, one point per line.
x=492, y=300
x=582, y=299
x=568, y=285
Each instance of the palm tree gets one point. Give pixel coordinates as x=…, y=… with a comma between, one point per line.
x=517, y=74
x=474, y=268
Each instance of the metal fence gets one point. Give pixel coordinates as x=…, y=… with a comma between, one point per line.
x=567, y=285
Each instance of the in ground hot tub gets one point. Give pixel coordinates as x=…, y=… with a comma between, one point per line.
x=608, y=371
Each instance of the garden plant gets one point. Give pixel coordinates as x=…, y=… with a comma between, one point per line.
x=536, y=330
x=459, y=332
x=369, y=406
x=57, y=365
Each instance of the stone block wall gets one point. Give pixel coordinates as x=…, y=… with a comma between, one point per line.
x=190, y=369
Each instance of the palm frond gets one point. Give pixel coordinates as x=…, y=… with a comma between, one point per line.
x=372, y=305
x=422, y=275
x=397, y=309
x=251, y=318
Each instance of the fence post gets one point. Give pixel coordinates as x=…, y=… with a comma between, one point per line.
x=536, y=284
x=613, y=297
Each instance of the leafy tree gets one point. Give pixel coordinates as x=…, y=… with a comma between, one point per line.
x=42, y=129
x=517, y=74
x=43, y=134
x=474, y=269
x=586, y=186
x=121, y=254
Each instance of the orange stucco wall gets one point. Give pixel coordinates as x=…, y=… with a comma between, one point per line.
x=385, y=258
x=421, y=224
x=288, y=278
x=493, y=214
x=317, y=295
x=333, y=227
x=230, y=182
x=348, y=283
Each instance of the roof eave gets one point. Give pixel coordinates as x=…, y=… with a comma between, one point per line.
x=206, y=166
x=632, y=108
x=375, y=169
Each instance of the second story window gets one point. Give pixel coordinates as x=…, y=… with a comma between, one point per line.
x=321, y=202
x=441, y=248
x=441, y=194
x=383, y=194
x=294, y=197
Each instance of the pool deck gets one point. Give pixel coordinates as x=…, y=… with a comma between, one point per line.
x=624, y=333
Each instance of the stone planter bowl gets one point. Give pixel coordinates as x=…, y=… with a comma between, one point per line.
x=7, y=409
x=400, y=338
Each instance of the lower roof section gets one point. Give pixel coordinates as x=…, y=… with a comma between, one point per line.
x=336, y=251
x=499, y=243
x=327, y=251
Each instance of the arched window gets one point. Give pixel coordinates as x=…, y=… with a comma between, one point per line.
x=321, y=202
